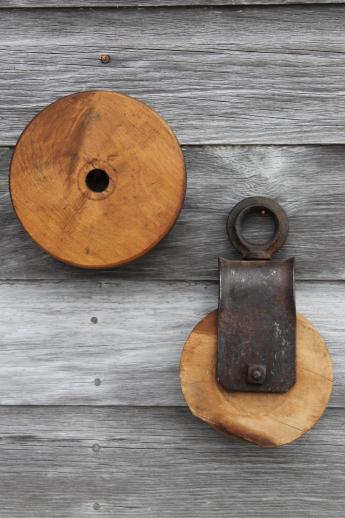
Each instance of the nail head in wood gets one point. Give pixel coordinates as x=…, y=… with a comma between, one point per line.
x=105, y=58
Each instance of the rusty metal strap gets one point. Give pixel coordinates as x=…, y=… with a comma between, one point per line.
x=256, y=326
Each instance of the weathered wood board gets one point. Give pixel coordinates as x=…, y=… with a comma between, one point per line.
x=309, y=182
x=222, y=76
x=151, y=3
x=128, y=462
x=53, y=353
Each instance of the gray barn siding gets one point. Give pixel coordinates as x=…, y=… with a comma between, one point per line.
x=92, y=421
x=241, y=75
x=130, y=462
x=151, y=3
x=52, y=352
x=309, y=182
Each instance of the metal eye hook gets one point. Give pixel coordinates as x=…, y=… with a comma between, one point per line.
x=235, y=222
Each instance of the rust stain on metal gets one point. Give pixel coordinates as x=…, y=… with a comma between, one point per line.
x=257, y=314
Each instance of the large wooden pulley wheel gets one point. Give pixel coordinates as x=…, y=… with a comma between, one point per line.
x=97, y=179
x=255, y=369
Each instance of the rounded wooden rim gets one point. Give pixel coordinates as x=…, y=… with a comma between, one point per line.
x=101, y=196
x=268, y=420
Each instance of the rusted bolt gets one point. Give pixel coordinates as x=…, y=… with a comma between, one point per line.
x=256, y=374
x=104, y=58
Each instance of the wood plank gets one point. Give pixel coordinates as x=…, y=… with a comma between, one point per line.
x=225, y=75
x=60, y=462
x=119, y=343
x=307, y=180
x=150, y=3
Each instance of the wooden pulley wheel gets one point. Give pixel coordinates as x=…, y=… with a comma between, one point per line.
x=97, y=179
x=268, y=420
x=255, y=369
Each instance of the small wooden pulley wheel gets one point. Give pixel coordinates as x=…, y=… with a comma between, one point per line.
x=97, y=179
x=255, y=369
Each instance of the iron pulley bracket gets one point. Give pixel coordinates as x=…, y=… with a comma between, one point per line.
x=257, y=315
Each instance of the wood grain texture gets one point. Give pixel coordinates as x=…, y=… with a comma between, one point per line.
x=125, y=462
x=268, y=420
x=227, y=75
x=97, y=179
x=119, y=343
x=223, y=75
x=308, y=181
x=151, y=3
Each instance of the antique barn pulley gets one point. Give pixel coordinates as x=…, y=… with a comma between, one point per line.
x=255, y=369
x=97, y=179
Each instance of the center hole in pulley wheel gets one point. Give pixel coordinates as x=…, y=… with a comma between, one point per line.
x=97, y=180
